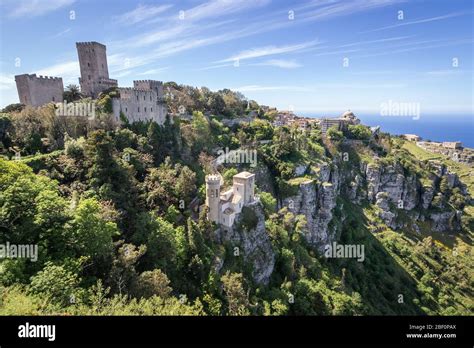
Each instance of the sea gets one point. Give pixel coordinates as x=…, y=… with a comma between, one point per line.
x=434, y=128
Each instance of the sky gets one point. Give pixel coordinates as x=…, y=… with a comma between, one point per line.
x=310, y=56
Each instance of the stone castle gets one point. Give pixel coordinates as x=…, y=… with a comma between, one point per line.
x=224, y=207
x=94, y=69
x=39, y=90
x=142, y=102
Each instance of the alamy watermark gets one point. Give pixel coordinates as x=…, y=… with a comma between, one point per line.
x=393, y=108
x=345, y=251
x=239, y=156
x=19, y=251
x=79, y=109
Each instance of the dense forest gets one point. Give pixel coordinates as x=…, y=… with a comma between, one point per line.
x=116, y=210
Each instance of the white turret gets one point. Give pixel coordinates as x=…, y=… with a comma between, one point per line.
x=213, y=191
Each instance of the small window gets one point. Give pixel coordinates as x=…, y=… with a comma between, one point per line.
x=88, y=64
x=151, y=109
x=54, y=99
x=150, y=97
x=144, y=97
x=145, y=108
x=126, y=110
x=89, y=76
x=217, y=193
x=137, y=97
x=138, y=109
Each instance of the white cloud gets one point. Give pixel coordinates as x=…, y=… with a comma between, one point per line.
x=7, y=81
x=69, y=71
x=281, y=63
x=450, y=72
x=219, y=8
x=269, y=50
x=315, y=87
x=154, y=71
x=141, y=13
x=33, y=8
x=416, y=48
x=61, y=33
x=419, y=21
x=258, y=88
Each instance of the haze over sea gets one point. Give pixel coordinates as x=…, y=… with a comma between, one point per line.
x=429, y=127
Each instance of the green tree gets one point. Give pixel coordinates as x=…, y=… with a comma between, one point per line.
x=269, y=203
x=334, y=134
x=72, y=93
x=237, y=301
x=91, y=233
x=151, y=283
x=359, y=132
x=13, y=108
x=55, y=283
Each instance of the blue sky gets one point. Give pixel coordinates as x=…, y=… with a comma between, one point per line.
x=280, y=53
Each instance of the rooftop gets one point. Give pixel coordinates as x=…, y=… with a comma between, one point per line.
x=243, y=175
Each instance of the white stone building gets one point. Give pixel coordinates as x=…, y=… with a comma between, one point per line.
x=225, y=206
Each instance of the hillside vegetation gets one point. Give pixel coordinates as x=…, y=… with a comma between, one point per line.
x=113, y=211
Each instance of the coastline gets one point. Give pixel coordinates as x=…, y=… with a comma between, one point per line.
x=435, y=128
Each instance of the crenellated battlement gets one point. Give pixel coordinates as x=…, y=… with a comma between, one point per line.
x=40, y=77
x=89, y=44
x=134, y=89
x=213, y=179
x=148, y=81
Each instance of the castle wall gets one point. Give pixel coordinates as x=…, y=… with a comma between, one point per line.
x=39, y=90
x=139, y=105
x=150, y=84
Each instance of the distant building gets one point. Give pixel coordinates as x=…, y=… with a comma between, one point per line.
x=412, y=137
x=453, y=149
x=224, y=207
x=94, y=69
x=39, y=90
x=339, y=123
x=452, y=144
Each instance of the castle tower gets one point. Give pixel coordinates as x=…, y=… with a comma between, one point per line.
x=213, y=188
x=39, y=90
x=94, y=69
x=245, y=180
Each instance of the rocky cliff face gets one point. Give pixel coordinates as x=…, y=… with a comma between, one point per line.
x=254, y=245
x=394, y=191
x=388, y=186
x=316, y=199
